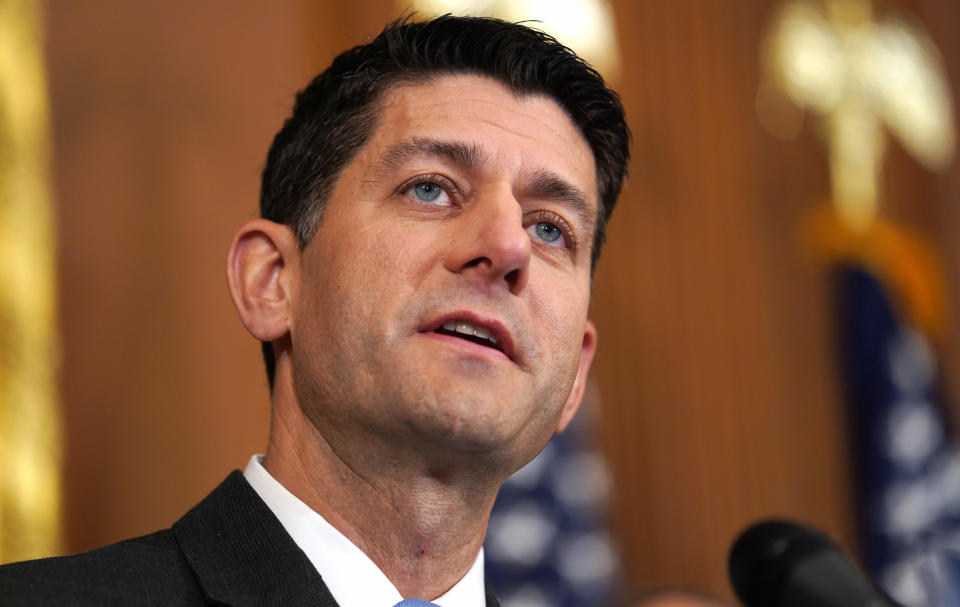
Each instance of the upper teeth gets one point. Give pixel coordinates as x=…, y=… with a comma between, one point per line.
x=462, y=326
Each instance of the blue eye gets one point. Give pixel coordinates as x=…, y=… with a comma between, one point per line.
x=427, y=191
x=548, y=232
x=430, y=190
x=553, y=233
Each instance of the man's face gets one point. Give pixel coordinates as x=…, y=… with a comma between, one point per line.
x=443, y=300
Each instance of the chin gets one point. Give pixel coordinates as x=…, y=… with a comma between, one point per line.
x=482, y=430
x=477, y=434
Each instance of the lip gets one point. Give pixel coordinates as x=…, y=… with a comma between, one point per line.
x=496, y=328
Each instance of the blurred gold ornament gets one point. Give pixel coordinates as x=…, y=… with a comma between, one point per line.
x=860, y=74
x=29, y=423
x=586, y=26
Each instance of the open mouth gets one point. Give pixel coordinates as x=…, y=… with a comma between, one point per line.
x=470, y=332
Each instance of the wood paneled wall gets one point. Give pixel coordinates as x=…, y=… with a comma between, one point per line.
x=162, y=116
x=717, y=367
x=716, y=371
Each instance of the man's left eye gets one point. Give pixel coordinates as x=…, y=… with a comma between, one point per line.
x=548, y=233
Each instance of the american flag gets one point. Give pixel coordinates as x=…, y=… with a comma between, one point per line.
x=908, y=466
x=547, y=543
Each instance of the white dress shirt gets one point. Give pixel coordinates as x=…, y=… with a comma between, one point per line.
x=352, y=578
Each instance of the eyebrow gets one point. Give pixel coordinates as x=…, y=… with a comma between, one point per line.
x=548, y=185
x=464, y=155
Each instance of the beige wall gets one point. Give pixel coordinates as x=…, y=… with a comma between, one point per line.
x=719, y=397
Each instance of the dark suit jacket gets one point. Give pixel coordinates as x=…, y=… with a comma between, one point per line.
x=228, y=550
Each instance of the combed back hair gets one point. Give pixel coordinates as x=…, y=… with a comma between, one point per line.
x=336, y=114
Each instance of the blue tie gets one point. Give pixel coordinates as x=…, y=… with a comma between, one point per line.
x=415, y=603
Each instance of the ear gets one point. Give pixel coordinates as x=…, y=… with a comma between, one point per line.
x=587, y=351
x=261, y=265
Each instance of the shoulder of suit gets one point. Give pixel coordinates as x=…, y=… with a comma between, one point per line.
x=148, y=569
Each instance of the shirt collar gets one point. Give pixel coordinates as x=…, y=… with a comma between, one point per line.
x=352, y=578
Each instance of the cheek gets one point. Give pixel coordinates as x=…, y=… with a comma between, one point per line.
x=399, y=255
x=562, y=313
x=369, y=283
x=364, y=265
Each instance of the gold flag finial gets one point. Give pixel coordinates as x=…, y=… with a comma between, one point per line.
x=859, y=75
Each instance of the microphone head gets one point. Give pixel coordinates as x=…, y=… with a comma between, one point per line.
x=764, y=554
x=779, y=563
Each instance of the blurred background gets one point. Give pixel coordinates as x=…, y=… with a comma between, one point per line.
x=720, y=395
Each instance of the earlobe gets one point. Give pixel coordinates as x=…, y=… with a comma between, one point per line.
x=260, y=275
x=575, y=399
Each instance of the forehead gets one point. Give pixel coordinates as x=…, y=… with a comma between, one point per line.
x=516, y=134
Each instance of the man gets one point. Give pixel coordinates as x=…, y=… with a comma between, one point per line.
x=420, y=279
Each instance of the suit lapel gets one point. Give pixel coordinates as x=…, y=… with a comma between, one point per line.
x=491, y=596
x=242, y=555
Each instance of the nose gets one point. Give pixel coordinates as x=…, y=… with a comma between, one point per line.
x=489, y=242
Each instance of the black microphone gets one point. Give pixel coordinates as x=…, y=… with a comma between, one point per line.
x=782, y=564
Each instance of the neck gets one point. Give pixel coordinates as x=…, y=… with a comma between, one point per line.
x=423, y=528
